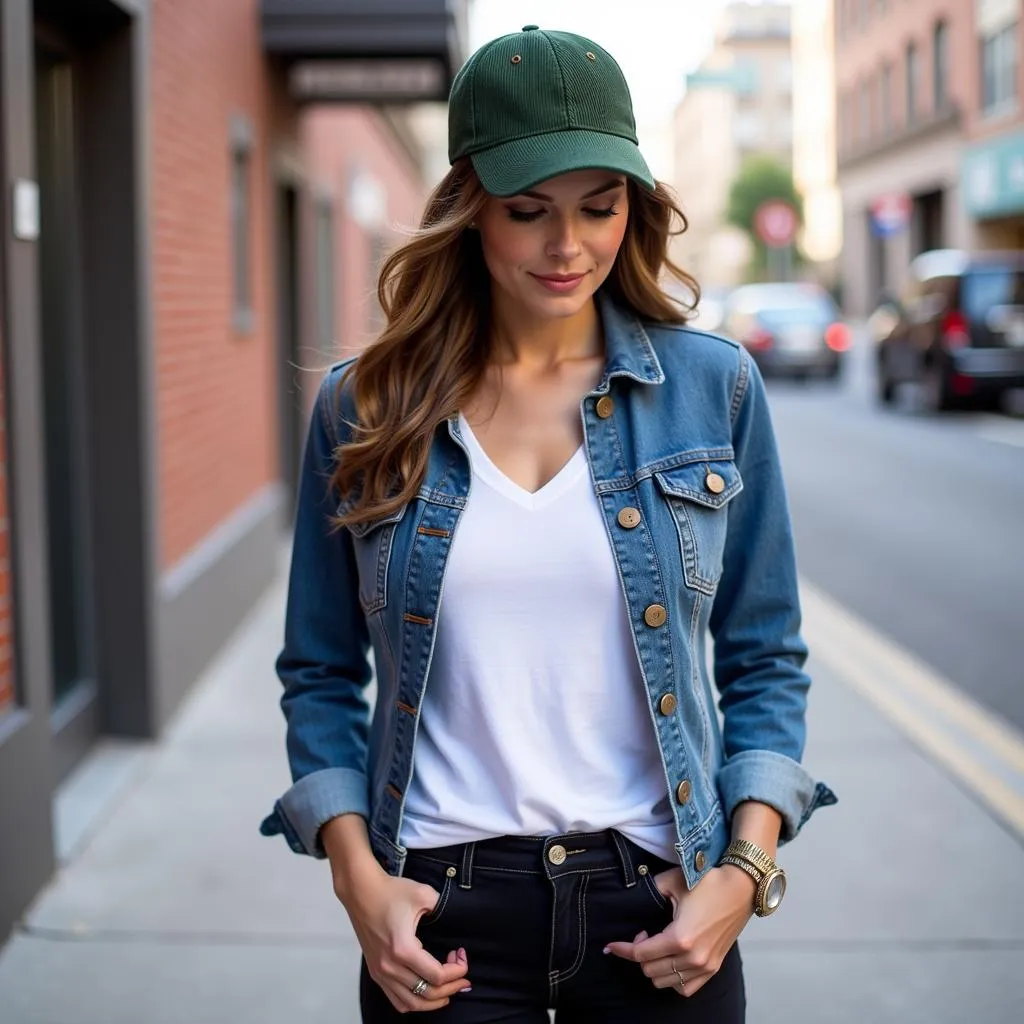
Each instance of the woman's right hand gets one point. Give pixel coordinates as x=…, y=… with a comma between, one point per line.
x=385, y=911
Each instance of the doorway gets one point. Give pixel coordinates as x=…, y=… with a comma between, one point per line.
x=291, y=402
x=70, y=563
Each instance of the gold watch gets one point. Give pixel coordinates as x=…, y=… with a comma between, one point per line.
x=769, y=877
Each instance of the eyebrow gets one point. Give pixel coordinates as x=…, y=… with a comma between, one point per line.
x=607, y=187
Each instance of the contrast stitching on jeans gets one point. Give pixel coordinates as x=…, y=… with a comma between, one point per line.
x=442, y=901
x=656, y=892
x=584, y=871
x=581, y=926
x=627, y=863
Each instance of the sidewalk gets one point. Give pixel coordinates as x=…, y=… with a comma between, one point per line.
x=905, y=901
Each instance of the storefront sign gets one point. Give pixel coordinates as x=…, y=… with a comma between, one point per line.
x=994, y=177
x=368, y=81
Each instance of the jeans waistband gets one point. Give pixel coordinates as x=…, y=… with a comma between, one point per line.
x=553, y=856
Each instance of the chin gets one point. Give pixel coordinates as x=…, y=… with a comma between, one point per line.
x=558, y=306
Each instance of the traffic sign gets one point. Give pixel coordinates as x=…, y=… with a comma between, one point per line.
x=890, y=213
x=776, y=223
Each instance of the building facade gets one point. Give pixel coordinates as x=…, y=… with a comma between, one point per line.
x=993, y=162
x=737, y=104
x=198, y=198
x=904, y=89
x=814, y=136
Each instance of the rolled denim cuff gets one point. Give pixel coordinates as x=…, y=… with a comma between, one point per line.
x=313, y=800
x=776, y=780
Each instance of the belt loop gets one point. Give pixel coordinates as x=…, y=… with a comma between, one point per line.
x=625, y=860
x=466, y=874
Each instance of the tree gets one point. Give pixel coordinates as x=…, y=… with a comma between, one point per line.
x=760, y=178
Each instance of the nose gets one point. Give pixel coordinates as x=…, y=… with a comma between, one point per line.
x=564, y=243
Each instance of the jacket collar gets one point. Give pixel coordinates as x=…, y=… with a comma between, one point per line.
x=628, y=349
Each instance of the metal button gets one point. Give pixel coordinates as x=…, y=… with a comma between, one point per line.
x=516, y=59
x=655, y=615
x=668, y=703
x=629, y=517
x=604, y=408
x=714, y=483
x=557, y=854
x=699, y=861
x=683, y=791
x=642, y=869
x=452, y=872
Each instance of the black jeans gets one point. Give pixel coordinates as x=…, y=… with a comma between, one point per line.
x=534, y=932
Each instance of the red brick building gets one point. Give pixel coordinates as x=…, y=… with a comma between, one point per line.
x=187, y=240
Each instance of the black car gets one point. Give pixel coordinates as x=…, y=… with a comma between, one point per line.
x=957, y=329
x=791, y=329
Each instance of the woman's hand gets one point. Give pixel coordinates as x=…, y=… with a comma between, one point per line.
x=705, y=923
x=385, y=912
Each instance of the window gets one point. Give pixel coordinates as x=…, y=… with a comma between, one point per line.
x=940, y=66
x=241, y=222
x=886, y=99
x=325, y=326
x=911, y=82
x=999, y=70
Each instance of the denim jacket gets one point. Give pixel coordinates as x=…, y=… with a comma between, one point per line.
x=678, y=429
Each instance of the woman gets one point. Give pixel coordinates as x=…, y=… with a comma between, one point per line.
x=538, y=815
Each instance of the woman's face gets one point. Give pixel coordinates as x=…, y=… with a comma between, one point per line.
x=549, y=250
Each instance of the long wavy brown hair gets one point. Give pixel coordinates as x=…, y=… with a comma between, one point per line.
x=435, y=293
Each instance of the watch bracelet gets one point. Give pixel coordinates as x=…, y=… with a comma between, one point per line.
x=743, y=865
x=752, y=853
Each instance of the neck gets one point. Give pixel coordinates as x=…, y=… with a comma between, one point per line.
x=544, y=341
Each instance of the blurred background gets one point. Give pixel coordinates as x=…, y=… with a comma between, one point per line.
x=198, y=195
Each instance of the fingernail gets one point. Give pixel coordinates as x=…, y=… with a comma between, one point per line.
x=468, y=988
x=607, y=949
x=462, y=954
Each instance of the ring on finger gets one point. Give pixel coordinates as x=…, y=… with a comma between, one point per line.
x=682, y=980
x=420, y=987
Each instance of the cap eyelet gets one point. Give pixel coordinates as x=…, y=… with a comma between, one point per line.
x=590, y=56
x=516, y=59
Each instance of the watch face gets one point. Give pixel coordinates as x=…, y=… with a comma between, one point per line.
x=774, y=892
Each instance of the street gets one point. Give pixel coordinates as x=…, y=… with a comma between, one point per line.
x=914, y=523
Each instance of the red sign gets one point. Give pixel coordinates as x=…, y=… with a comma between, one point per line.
x=890, y=213
x=776, y=223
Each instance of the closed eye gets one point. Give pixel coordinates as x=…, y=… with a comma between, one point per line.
x=609, y=211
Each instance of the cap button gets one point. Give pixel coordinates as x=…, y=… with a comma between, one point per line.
x=530, y=28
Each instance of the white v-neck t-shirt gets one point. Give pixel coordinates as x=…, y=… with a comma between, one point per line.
x=535, y=719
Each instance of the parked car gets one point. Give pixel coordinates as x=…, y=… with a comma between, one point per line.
x=957, y=329
x=791, y=329
x=710, y=309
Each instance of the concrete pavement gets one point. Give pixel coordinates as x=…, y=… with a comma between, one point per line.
x=904, y=904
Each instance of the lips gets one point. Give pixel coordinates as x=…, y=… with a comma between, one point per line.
x=558, y=282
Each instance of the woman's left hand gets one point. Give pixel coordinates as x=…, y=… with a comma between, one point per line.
x=705, y=924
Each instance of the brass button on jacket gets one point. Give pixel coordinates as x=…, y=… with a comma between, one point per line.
x=714, y=483
x=700, y=860
x=557, y=854
x=655, y=615
x=668, y=703
x=629, y=517
x=683, y=791
x=604, y=408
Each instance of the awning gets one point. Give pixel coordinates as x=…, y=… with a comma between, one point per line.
x=387, y=51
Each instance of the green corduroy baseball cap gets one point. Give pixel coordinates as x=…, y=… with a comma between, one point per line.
x=535, y=104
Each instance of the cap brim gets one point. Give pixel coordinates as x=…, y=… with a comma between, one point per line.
x=516, y=166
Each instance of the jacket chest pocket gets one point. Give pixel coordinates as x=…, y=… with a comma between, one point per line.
x=372, y=542
x=698, y=496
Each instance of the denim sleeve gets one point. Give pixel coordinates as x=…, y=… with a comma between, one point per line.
x=323, y=666
x=755, y=622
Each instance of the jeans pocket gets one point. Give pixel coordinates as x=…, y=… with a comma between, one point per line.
x=440, y=877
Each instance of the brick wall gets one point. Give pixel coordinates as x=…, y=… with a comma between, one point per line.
x=338, y=143
x=6, y=617
x=215, y=393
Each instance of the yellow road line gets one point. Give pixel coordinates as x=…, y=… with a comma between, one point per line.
x=924, y=705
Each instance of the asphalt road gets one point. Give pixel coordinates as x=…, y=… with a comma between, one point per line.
x=915, y=523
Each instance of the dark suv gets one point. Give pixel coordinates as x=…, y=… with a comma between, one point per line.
x=957, y=329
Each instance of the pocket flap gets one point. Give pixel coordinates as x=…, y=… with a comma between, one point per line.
x=696, y=482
